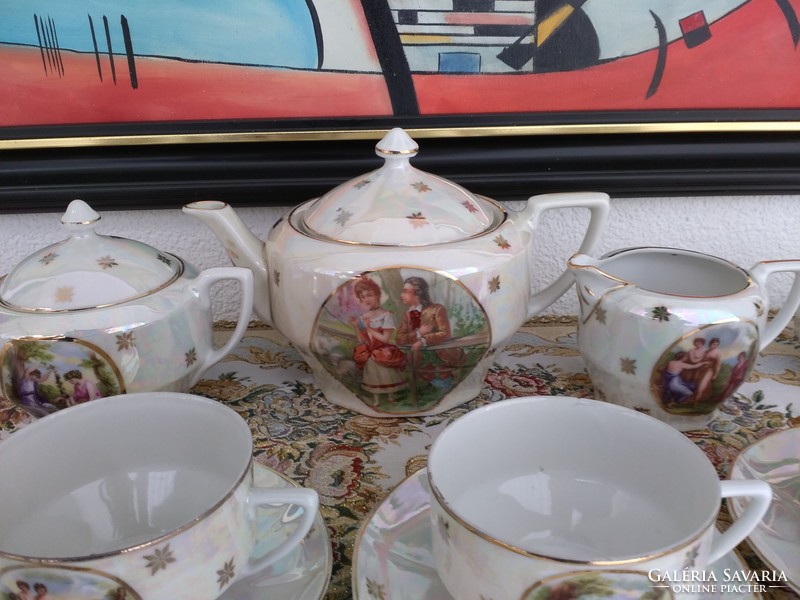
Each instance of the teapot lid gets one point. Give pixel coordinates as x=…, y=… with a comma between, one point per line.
x=398, y=205
x=87, y=270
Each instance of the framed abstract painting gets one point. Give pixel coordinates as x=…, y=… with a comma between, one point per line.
x=275, y=100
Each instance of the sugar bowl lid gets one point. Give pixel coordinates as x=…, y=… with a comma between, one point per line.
x=86, y=270
x=398, y=205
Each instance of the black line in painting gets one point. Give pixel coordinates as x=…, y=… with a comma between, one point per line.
x=661, y=60
x=126, y=35
x=791, y=19
x=517, y=54
x=96, y=50
x=110, y=50
x=392, y=58
x=312, y=11
x=41, y=45
x=48, y=45
x=56, y=47
x=501, y=30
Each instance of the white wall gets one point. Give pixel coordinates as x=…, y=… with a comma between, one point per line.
x=743, y=230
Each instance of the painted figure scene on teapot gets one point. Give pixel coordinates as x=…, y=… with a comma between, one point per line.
x=401, y=339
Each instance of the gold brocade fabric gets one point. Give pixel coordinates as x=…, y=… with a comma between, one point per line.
x=354, y=461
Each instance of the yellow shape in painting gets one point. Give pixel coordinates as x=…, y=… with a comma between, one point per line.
x=551, y=22
x=411, y=39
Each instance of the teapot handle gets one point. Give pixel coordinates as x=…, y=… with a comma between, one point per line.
x=202, y=286
x=598, y=205
x=760, y=272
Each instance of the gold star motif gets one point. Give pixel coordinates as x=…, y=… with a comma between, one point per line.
x=628, y=365
x=126, y=341
x=600, y=314
x=225, y=574
x=107, y=262
x=48, y=258
x=502, y=242
x=444, y=528
x=470, y=206
x=159, y=559
x=343, y=217
x=375, y=589
x=421, y=186
x=191, y=357
x=494, y=284
x=661, y=313
x=65, y=294
x=417, y=219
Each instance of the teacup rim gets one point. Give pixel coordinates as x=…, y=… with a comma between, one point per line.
x=75, y=410
x=671, y=549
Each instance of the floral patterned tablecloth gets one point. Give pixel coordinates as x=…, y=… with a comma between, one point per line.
x=354, y=461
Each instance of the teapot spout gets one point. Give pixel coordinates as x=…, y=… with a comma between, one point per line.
x=243, y=248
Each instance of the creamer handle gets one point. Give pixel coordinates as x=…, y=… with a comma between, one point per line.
x=760, y=272
x=598, y=205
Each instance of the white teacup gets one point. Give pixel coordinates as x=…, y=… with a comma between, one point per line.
x=547, y=491
x=143, y=496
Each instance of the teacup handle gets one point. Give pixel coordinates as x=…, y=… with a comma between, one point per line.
x=202, y=285
x=598, y=205
x=760, y=494
x=760, y=272
x=306, y=498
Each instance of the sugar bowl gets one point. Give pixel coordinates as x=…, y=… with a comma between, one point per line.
x=96, y=315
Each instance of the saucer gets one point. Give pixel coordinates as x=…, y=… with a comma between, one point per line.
x=776, y=460
x=304, y=573
x=393, y=559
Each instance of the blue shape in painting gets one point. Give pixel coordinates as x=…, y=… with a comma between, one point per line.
x=459, y=62
x=261, y=32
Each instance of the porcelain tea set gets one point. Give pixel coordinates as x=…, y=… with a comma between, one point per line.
x=398, y=288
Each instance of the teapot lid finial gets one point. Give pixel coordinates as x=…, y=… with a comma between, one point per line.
x=79, y=213
x=397, y=141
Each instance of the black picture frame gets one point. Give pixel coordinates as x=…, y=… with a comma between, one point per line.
x=165, y=165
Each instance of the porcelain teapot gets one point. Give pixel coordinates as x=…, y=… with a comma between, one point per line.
x=96, y=315
x=674, y=333
x=398, y=287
